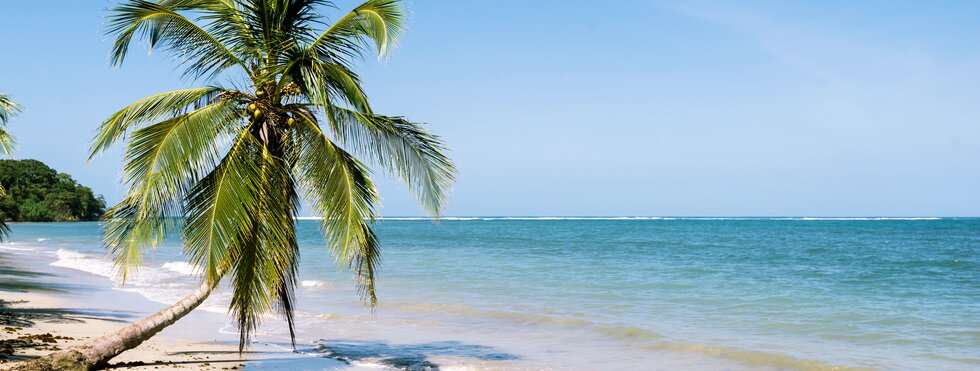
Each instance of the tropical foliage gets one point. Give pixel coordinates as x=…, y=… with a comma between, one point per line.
x=8, y=108
x=38, y=193
x=234, y=161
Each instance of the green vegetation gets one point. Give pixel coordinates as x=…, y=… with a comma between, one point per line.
x=38, y=193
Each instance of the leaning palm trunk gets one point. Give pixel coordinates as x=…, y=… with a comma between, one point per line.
x=97, y=353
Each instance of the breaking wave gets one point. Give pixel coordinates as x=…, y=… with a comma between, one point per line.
x=182, y=267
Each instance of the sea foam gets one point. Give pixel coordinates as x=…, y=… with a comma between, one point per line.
x=10, y=247
x=182, y=267
x=85, y=263
x=312, y=283
x=165, y=284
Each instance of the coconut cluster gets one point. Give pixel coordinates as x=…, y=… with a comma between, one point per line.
x=255, y=110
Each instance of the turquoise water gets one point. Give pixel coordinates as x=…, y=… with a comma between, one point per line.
x=651, y=293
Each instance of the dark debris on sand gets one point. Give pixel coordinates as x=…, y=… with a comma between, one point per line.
x=45, y=342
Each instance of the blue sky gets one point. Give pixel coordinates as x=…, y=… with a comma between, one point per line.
x=620, y=108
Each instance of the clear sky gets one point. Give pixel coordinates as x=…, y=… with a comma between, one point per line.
x=606, y=108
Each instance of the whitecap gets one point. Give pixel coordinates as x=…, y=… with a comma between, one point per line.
x=859, y=218
x=10, y=247
x=181, y=267
x=312, y=283
x=85, y=263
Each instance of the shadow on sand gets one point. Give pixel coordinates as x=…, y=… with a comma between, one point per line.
x=407, y=356
x=14, y=318
x=13, y=279
x=338, y=353
x=27, y=317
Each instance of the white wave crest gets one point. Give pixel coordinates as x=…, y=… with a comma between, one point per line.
x=181, y=267
x=165, y=284
x=865, y=218
x=312, y=283
x=10, y=247
x=85, y=263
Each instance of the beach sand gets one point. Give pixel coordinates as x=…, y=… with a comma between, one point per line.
x=39, y=323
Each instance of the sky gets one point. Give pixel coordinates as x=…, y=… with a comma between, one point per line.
x=736, y=108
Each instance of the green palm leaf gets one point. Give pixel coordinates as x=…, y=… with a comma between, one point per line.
x=161, y=24
x=8, y=109
x=379, y=21
x=163, y=160
x=339, y=190
x=404, y=148
x=148, y=110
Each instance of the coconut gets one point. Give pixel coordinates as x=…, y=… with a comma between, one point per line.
x=258, y=113
x=291, y=121
x=251, y=107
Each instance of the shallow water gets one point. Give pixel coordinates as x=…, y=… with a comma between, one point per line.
x=639, y=293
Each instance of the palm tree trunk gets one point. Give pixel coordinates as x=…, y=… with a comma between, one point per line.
x=97, y=353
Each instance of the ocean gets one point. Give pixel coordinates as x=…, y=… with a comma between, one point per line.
x=612, y=293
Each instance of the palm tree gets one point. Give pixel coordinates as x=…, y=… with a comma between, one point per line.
x=8, y=109
x=233, y=163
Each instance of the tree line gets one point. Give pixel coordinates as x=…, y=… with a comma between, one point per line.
x=37, y=193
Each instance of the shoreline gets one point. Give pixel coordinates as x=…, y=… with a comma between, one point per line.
x=34, y=323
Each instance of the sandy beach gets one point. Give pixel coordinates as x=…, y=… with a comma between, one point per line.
x=37, y=323
x=42, y=323
x=45, y=323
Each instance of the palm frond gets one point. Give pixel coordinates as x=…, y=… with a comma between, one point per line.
x=126, y=235
x=258, y=242
x=4, y=229
x=378, y=21
x=339, y=189
x=327, y=84
x=220, y=208
x=162, y=24
x=163, y=160
x=279, y=240
x=8, y=109
x=227, y=23
x=405, y=149
x=222, y=231
x=149, y=110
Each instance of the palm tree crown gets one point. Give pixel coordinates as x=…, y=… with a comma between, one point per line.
x=226, y=167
